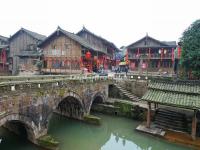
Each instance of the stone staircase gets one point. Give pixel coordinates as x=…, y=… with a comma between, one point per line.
x=168, y=119
x=127, y=93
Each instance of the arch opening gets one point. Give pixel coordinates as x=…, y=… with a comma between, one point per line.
x=71, y=107
x=21, y=129
x=98, y=99
x=18, y=128
x=21, y=125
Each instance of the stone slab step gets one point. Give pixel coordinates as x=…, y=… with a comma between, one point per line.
x=169, y=117
x=170, y=112
x=172, y=122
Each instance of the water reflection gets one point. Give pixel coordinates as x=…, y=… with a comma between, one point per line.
x=114, y=134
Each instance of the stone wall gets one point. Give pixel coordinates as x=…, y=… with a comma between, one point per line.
x=121, y=108
x=137, y=87
x=32, y=103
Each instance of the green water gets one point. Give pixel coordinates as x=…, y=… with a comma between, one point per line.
x=115, y=133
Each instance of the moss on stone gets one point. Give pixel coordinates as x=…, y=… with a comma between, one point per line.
x=48, y=142
x=61, y=92
x=125, y=108
x=92, y=119
x=40, y=93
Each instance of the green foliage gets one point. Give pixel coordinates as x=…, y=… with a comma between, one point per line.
x=125, y=108
x=190, y=58
x=39, y=64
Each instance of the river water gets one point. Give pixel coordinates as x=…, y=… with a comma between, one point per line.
x=115, y=133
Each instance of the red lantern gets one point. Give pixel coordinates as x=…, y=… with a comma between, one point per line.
x=88, y=55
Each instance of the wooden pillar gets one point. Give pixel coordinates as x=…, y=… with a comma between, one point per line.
x=155, y=106
x=194, y=126
x=148, y=115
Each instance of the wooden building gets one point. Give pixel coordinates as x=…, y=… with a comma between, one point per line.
x=68, y=53
x=149, y=54
x=24, y=53
x=63, y=52
x=4, y=52
x=105, y=49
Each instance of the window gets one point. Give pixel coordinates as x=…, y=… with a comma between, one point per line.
x=31, y=47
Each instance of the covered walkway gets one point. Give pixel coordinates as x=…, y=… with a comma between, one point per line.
x=177, y=94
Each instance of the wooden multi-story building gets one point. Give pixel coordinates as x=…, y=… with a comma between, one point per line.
x=106, y=50
x=24, y=53
x=149, y=54
x=4, y=52
x=69, y=53
x=62, y=52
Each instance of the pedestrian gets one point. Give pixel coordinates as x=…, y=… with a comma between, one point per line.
x=126, y=69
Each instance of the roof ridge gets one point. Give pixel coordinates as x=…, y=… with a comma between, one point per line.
x=147, y=36
x=32, y=32
x=73, y=36
x=3, y=38
x=98, y=36
x=35, y=35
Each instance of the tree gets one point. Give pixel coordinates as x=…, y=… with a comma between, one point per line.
x=190, y=58
x=39, y=64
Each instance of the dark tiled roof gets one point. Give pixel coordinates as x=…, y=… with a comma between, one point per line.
x=3, y=38
x=148, y=37
x=173, y=99
x=180, y=87
x=170, y=43
x=29, y=53
x=35, y=35
x=99, y=37
x=73, y=36
x=179, y=94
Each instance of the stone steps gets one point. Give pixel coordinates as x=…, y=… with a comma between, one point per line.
x=168, y=119
x=128, y=94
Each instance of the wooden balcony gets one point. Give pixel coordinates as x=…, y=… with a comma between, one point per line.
x=60, y=71
x=153, y=56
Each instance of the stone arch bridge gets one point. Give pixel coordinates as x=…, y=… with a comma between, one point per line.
x=32, y=103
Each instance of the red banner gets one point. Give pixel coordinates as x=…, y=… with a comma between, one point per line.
x=179, y=52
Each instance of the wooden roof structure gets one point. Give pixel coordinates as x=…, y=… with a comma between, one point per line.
x=143, y=42
x=72, y=36
x=35, y=35
x=99, y=37
x=183, y=94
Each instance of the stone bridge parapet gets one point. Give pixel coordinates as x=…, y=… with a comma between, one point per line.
x=33, y=102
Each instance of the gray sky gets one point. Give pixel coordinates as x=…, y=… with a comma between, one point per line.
x=120, y=21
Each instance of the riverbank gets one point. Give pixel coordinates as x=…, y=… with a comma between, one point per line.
x=137, y=111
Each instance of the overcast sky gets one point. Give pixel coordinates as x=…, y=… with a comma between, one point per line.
x=120, y=21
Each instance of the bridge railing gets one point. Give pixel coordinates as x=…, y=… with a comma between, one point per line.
x=28, y=78
x=130, y=76
x=7, y=86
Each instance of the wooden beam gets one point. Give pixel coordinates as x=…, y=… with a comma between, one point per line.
x=194, y=126
x=149, y=115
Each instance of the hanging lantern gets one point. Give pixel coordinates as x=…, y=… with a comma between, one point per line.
x=88, y=55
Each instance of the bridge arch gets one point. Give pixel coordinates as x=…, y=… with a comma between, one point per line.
x=71, y=106
x=97, y=98
x=30, y=127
